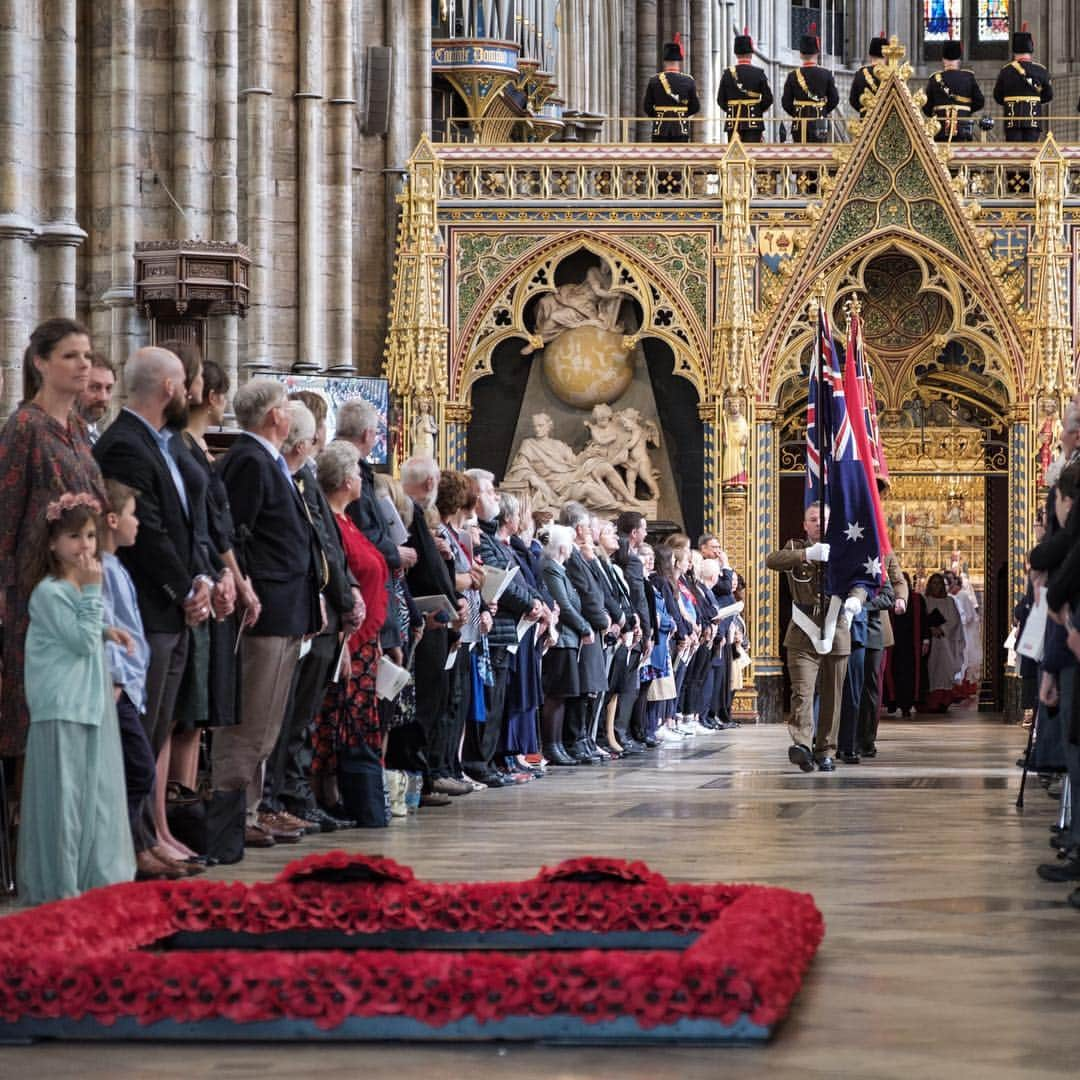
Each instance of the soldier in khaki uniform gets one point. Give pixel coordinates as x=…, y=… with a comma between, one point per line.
x=804, y=562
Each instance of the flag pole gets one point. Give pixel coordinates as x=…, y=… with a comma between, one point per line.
x=824, y=434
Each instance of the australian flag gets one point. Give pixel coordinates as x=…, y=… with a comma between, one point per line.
x=833, y=435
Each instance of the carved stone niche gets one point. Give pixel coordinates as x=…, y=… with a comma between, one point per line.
x=180, y=283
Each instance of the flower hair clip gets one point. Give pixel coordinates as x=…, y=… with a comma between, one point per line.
x=69, y=501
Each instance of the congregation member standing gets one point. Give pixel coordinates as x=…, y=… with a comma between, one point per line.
x=1023, y=87
x=671, y=98
x=44, y=452
x=804, y=563
x=810, y=95
x=891, y=597
x=518, y=601
x=867, y=79
x=166, y=560
x=905, y=676
x=93, y=403
x=287, y=789
x=74, y=833
x=953, y=97
x=744, y=94
x=280, y=551
x=349, y=736
x=430, y=574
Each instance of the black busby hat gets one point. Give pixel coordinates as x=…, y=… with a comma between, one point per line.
x=673, y=50
x=877, y=44
x=808, y=43
x=952, y=50
x=744, y=43
x=1022, y=41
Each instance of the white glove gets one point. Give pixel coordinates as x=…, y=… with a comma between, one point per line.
x=817, y=553
x=852, y=607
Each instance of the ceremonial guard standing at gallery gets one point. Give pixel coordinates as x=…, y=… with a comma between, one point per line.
x=1022, y=89
x=953, y=96
x=866, y=79
x=671, y=98
x=804, y=563
x=744, y=94
x=810, y=94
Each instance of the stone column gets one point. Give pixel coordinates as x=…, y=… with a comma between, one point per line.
x=628, y=92
x=309, y=271
x=339, y=315
x=453, y=437
x=647, y=58
x=59, y=233
x=119, y=298
x=259, y=184
x=188, y=94
x=223, y=331
x=701, y=65
x=763, y=587
x=709, y=413
x=17, y=303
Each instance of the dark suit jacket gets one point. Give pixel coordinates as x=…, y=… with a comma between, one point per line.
x=338, y=591
x=164, y=559
x=640, y=597
x=367, y=518
x=588, y=590
x=276, y=543
x=431, y=574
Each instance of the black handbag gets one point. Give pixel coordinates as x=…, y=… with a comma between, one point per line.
x=211, y=823
x=360, y=781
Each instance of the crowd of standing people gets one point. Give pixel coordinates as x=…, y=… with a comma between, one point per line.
x=293, y=644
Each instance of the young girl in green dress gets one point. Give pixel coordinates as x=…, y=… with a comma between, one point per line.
x=74, y=832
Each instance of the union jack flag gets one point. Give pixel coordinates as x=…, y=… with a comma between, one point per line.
x=822, y=435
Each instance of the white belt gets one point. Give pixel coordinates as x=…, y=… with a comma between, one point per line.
x=822, y=645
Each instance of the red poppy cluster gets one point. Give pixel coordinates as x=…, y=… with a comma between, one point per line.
x=94, y=956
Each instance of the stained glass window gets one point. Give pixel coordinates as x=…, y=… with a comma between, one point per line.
x=943, y=19
x=993, y=20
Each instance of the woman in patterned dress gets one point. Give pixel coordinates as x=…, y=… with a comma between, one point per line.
x=44, y=451
x=350, y=715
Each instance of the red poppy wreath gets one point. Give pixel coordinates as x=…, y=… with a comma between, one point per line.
x=354, y=947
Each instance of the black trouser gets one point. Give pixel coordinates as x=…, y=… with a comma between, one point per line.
x=460, y=709
x=139, y=773
x=482, y=740
x=432, y=699
x=286, y=785
x=1022, y=134
x=870, y=702
x=754, y=135
x=720, y=706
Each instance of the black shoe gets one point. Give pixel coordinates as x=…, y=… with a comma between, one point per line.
x=826, y=764
x=1021, y=762
x=650, y=744
x=320, y=817
x=632, y=745
x=849, y=759
x=800, y=755
x=1074, y=898
x=341, y=816
x=1066, y=871
x=905, y=714
x=870, y=752
x=581, y=754
x=557, y=755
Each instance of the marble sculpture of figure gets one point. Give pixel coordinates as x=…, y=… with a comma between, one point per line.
x=591, y=302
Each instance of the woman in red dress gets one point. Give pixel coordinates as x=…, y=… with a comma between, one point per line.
x=44, y=451
x=350, y=715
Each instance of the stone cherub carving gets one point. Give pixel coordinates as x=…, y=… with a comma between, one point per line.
x=603, y=475
x=591, y=302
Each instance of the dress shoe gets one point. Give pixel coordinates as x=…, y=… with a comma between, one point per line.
x=187, y=869
x=849, y=758
x=1063, y=871
x=581, y=755
x=318, y=816
x=870, y=752
x=434, y=798
x=800, y=755
x=148, y=867
x=650, y=743
x=257, y=836
x=629, y=743
x=278, y=827
x=825, y=764
x=1074, y=898
x=447, y=786
x=556, y=755
x=296, y=824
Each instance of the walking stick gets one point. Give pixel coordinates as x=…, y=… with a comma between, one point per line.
x=7, y=862
x=1027, y=761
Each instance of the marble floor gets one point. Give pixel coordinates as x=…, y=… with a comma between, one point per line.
x=944, y=955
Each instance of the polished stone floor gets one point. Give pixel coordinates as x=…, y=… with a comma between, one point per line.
x=944, y=956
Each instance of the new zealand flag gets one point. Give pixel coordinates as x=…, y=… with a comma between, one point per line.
x=832, y=457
